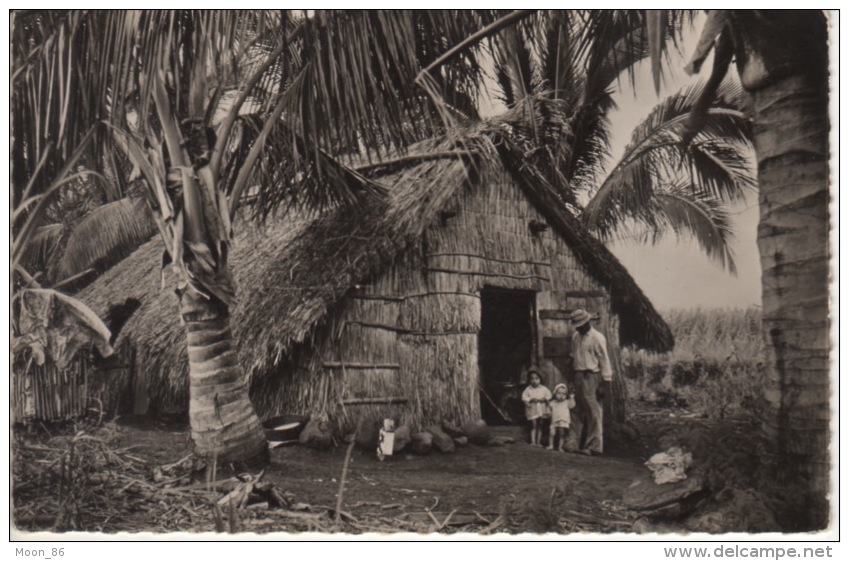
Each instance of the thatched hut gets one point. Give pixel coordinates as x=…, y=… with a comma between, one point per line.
x=422, y=305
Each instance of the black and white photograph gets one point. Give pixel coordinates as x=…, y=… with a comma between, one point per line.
x=423, y=274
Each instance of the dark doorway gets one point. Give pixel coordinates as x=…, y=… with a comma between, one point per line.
x=505, y=348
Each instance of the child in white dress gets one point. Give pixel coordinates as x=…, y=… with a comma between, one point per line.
x=536, y=398
x=563, y=401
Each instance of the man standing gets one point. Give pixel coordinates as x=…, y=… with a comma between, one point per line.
x=592, y=369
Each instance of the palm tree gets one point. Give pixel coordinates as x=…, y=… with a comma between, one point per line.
x=201, y=104
x=665, y=180
x=782, y=60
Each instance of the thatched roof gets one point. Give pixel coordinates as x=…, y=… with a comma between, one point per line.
x=292, y=271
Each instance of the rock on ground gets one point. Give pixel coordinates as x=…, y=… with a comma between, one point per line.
x=368, y=433
x=402, y=438
x=441, y=441
x=451, y=429
x=477, y=431
x=317, y=434
x=422, y=443
x=668, y=501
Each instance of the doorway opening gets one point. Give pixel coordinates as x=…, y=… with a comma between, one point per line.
x=505, y=348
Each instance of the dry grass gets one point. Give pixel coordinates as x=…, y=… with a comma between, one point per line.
x=715, y=370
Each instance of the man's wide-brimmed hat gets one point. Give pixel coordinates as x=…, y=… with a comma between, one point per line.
x=579, y=318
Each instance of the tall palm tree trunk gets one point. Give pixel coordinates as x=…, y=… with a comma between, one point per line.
x=791, y=140
x=223, y=420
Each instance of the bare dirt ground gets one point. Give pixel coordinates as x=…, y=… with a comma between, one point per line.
x=104, y=479
x=474, y=481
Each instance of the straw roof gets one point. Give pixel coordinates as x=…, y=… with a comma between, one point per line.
x=292, y=271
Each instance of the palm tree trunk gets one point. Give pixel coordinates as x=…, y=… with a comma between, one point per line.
x=223, y=420
x=791, y=140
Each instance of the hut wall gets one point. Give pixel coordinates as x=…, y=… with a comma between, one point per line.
x=405, y=345
x=46, y=393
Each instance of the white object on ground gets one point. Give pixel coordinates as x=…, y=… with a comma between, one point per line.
x=670, y=466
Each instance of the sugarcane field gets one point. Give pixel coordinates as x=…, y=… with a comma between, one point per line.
x=468, y=274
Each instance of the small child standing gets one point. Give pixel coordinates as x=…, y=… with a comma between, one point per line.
x=536, y=398
x=563, y=401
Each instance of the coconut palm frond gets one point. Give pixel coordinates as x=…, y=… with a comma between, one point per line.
x=682, y=209
x=720, y=169
x=351, y=90
x=724, y=170
x=705, y=218
x=558, y=64
x=658, y=25
x=313, y=179
x=540, y=130
x=358, y=83
x=591, y=143
x=730, y=125
x=624, y=36
x=607, y=61
x=622, y=195
x=105, y=236
x=55, y=94
x=718, y=161
x=670, y=117
x=514, y=66
x=592, y=93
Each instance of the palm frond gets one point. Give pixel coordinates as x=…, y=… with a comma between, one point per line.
x=597, y=62
x=357, y=85
x=703, y=217
x=57, y=94
x=659, y=24
x=557, y=57
x=681, y=209
x=621, y=196
x=722, y=169
x=719, y=161
x=725, y=120
x=514, y=66
x=307, y=177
